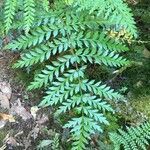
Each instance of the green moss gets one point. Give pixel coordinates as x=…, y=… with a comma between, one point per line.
x=142, y=105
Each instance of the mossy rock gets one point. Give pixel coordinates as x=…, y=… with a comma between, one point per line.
x=135, y=110
x=142, y=105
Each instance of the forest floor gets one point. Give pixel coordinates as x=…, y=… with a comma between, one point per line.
x=22, y=125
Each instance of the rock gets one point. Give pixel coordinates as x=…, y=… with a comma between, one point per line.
x=2, y=124
x=11, y=141
x=4, y=101
x=5, y=88
x=44, y=118
x=33, y=111
x=19, y=110
x=5, y=94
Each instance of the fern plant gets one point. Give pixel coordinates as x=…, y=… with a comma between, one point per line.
x=65, y=40
x=15, y=10
x=54, y=144
x=135, y=138
x=115, y=11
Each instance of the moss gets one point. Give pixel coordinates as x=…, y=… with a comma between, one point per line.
x=134, y=111
x=142, y=105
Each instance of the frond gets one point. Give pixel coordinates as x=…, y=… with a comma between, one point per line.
x=99, y=40
x=46, y=5
x=107, y=58
x=60, y=92
x=116, y=11
x=41, y=34
x=52, y=28
x=88, y=99
x=53, y=71
x=134, y=138
x=29, y=14
x=9, y=12
x=100, y=89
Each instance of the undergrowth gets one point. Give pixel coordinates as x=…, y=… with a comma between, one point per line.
x=65, y=37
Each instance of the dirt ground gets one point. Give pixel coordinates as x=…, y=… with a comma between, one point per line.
x=22, y=124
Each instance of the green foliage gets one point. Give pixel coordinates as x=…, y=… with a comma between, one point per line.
x=65, y=41
x=115, y=11
x=10, y=7
x=44, y=144
x=29, y=13
x=46, y=5
x=135, y=137
x=24, y=11
x=54, y=144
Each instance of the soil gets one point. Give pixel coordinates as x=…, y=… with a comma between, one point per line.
x=30, y=125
